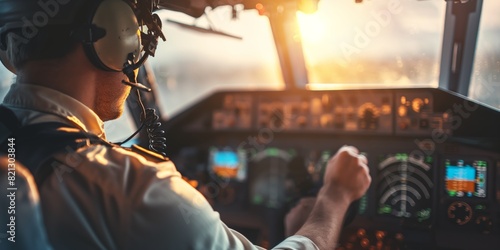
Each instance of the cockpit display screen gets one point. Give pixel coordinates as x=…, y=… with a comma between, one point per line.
x=466, y=178
x=228, y=163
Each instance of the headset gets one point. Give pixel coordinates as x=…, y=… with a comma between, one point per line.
x=117, y=35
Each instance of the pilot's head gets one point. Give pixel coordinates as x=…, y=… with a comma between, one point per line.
x=84, y=48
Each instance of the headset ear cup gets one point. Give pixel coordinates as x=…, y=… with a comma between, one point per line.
x=122, y=40
x=6, y=62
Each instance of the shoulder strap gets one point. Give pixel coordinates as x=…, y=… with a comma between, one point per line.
x=8, y=123
x=36, y=144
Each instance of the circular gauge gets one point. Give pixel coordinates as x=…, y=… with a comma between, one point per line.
x=417, y=105
x=404, y=187
x=459, y=212
x=368, y=115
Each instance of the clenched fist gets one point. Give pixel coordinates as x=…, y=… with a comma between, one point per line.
x=347, y=175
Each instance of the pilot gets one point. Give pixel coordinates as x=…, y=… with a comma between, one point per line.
x=76, y=63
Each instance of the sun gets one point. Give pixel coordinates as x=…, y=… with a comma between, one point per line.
x=312, y=28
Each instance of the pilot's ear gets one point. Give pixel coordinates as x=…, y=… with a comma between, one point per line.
x=110, y=35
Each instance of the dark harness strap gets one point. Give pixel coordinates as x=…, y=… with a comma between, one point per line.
x=8, y=123
x=36, y=144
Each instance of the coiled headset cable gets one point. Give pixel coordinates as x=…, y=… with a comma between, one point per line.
x=150, y=120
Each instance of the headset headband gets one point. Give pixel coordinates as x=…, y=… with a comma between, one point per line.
x=127, y=14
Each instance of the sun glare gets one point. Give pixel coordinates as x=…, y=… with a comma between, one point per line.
x=312, y=27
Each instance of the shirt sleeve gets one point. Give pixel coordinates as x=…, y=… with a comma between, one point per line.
x=188, y=221
x=114, y=199
x=296, y=242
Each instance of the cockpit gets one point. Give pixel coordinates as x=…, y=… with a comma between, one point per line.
x=256, y=96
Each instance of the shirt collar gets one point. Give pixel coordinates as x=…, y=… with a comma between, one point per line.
x=46, y=100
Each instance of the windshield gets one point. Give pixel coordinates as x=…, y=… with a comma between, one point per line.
x=395, y=42
x=192, y=64
x=485, y=82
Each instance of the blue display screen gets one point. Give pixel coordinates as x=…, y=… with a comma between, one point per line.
x=226, y=159
x=228, y=163
x=466, y=173
x=466, y=178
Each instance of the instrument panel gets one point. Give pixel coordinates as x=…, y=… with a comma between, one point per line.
x=434, y=161
x=404, y=187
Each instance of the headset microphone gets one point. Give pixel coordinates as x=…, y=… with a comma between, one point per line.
x=137, y=85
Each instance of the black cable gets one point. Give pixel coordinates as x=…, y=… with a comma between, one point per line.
x=156, y=137
x=149, y=118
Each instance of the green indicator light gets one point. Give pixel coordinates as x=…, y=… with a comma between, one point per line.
x=401, y=157
x=363, y=203
x=257, y=200
x=404, y=157
x=272, y=152
x=325, y=155
x=452, y=193
x=428, y=159
x=424, y=214
x=480, y=207
x=385, y=210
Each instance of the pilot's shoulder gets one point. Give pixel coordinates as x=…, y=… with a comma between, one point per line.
x=148, y=154
x=117, y=161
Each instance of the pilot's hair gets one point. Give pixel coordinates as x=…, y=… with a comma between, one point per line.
x=32, y=42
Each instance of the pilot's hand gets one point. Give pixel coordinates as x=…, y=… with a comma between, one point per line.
x=347, y=175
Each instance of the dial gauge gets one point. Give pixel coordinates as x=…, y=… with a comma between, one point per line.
x=404, y=187
x=459, y=212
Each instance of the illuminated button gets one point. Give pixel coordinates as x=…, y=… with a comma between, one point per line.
x=402, y=111
x=365, y=243
x=361, y=232
x=480, y=207
x=380, y=235
x=386, y=109
x=403, y=100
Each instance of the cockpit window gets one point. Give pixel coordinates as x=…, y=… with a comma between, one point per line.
x=191, y=64
x=6, y=79
x=485, y=82
x=394, y=42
